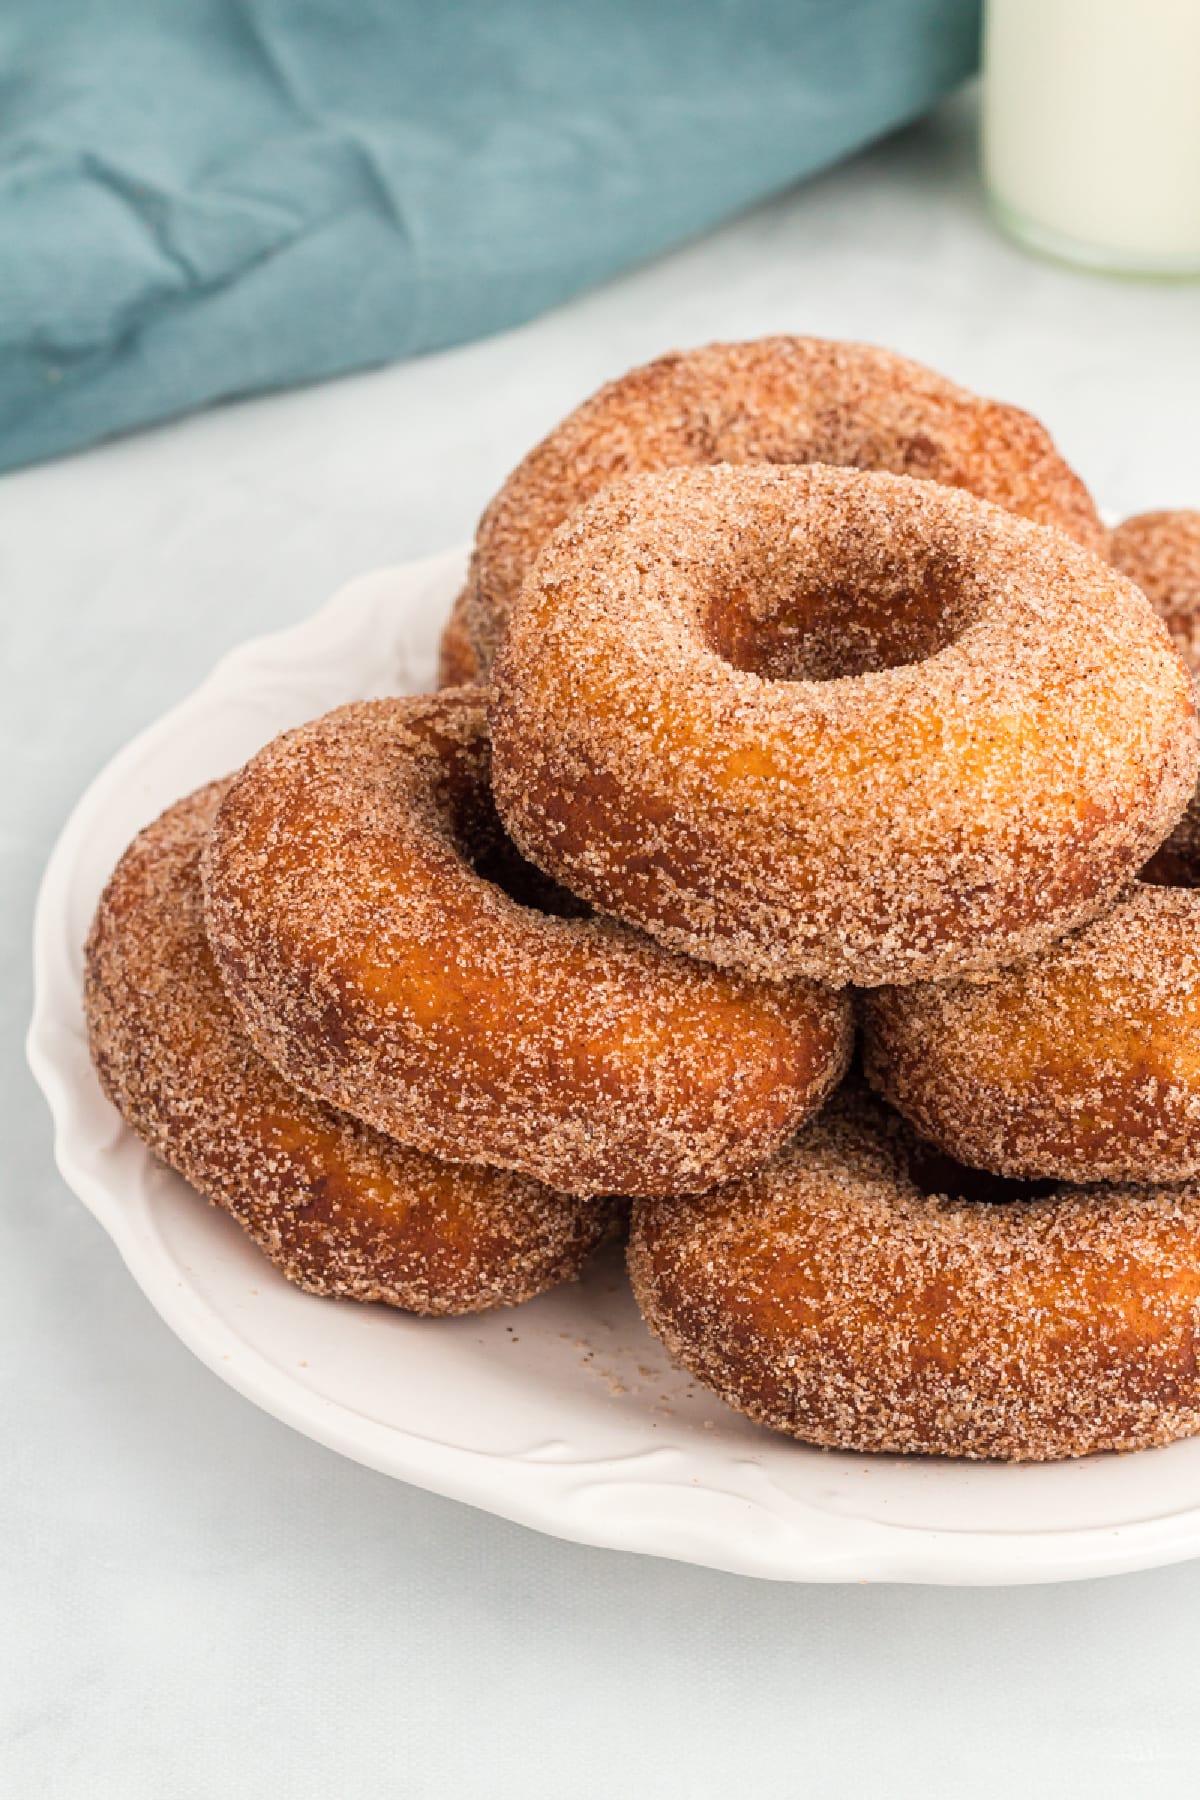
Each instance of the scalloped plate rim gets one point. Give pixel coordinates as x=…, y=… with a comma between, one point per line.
x=521, y=1487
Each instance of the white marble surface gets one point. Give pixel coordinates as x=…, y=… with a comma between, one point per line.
x=198, y=1603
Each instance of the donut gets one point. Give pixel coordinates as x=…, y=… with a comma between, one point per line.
x=775, y=400
x=458, y=665
x=1084, y=1063
x=1161, y=552
x=340, y=1209
x=1081, y=1063
x=861, y=1293
x=389, y=954
x=814, y=721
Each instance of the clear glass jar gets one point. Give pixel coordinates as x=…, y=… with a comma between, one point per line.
x=1091, y=130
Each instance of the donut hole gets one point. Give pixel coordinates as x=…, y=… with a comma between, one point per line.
x=817, y=623
x=483, y=842
x=935, y=1174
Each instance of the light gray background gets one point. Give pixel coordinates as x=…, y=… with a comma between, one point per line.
x=196, y=1602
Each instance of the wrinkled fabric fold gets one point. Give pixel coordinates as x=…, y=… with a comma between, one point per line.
x=209, y=200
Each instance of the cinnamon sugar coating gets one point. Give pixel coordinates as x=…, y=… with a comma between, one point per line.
x=374, y=962
x=1082, y=1063
x=340, y=1209
x=773, y=400
x=852, y=726
x=458, y=665
x=855, y=1294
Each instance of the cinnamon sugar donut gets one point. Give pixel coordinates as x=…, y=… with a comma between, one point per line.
x=355, y=909
x=861, y=1293
x=340, y=1209
x=1081, y=1063
x=775, y=400
x=458, y=665
x=852, y=726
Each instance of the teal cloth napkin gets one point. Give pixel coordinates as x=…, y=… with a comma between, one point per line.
x=202, y=198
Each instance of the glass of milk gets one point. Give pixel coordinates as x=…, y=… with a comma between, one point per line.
x=1091, y=130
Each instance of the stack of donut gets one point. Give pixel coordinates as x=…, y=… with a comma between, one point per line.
x=792, y=686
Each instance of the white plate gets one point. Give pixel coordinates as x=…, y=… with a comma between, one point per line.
x=565, y=1414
